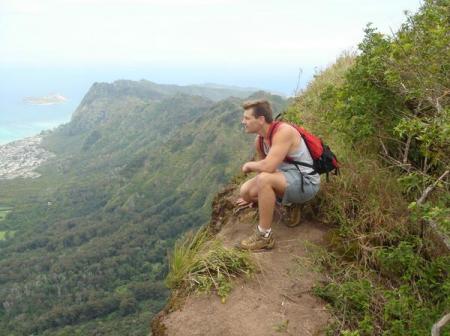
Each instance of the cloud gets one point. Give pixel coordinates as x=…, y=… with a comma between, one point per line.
x=36, y=7
x=22, y=7
x=181, y=32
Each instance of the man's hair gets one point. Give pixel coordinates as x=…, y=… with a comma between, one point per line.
x=260, y=107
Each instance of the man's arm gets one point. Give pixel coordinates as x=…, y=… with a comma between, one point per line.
x=281, y=142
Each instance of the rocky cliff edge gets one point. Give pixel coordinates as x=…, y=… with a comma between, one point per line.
x=276, y=300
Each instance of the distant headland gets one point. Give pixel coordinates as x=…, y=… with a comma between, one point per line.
x=51, y=99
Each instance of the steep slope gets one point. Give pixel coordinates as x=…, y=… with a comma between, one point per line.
x=385, y=112
x=276, y=300
x=86, y=243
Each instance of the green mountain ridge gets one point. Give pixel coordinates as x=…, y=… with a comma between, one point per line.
x=148, y=90
x=131, y=173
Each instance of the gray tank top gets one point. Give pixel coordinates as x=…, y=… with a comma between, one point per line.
x=300, y=154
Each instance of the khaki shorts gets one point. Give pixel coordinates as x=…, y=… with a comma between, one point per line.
x=294, y=193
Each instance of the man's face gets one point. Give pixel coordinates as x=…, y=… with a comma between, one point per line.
x=251, y=124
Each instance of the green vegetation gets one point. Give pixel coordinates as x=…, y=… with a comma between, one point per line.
x=385, y=112
x=281, y=327
x=199, y=262
x=3, y=213
x=6, y=234
x=404, y=294
x=134, y=169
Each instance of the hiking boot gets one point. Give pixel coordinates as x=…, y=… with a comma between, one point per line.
x=257, y=242
x=292, y=215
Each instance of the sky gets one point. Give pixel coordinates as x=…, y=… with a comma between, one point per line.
x=190, y=32
x=64, y=46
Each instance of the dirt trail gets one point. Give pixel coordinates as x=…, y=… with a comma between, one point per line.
x=275, y=301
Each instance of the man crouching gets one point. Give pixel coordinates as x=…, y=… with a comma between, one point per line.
x=277, y=180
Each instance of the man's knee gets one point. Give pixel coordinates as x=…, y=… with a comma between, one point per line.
x=245, y=189
x=263, y=179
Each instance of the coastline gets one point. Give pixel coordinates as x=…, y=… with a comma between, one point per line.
x=20, y=158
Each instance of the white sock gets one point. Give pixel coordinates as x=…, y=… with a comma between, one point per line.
x=265, y=232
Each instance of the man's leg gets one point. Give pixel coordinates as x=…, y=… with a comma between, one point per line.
x=249, y=191
x=269, y=186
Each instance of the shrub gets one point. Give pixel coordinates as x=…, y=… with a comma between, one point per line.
x=385, y=113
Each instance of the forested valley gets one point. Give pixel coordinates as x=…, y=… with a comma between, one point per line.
x=84, y=248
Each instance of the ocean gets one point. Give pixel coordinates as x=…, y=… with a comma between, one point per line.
x=19, y=119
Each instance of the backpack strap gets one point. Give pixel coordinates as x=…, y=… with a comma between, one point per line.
x=261, y=145
x=304, y=164
x=279, y=116
x=272, y=128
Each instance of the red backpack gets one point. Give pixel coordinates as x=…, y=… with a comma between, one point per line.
x=324, y=160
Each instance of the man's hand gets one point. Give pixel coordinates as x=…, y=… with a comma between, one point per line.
x=246, y=168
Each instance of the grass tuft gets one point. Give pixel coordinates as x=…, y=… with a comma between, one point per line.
x=200, y=262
